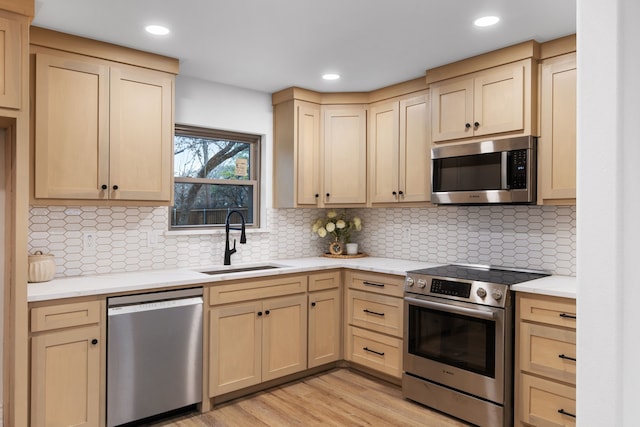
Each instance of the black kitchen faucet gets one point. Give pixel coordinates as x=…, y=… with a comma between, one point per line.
x=243, y=237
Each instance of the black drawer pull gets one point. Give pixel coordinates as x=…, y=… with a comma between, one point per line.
x=567, y=316
x=373, y=312
x=562, y=356
x=373, y=351
x=378, y=285
x=563, y=412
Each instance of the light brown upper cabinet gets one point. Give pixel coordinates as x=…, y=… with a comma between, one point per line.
x=344, y=148
x=103, y=130
x=557, y=142
x=399, y=150
x=12, y=49
x=488, y=102
x=297, y=154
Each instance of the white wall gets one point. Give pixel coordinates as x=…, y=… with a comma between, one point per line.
x=608, y=231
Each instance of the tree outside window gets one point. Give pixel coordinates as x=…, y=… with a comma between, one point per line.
x=215, y=172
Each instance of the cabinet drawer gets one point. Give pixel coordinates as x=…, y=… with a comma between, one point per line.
x=322, y=281
x=375, y=351
x=385, y=284
x=546, y=404
x=64, y=315
x=548, y=351
x=379, y=313
x=247, y=290
x=550, y=310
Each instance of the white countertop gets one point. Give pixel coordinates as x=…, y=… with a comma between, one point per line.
x=154, y=279
x=562, y=286
x=557, y=286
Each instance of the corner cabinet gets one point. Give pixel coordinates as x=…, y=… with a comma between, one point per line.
x=344, y=148
x=399, y=150
x=545, y=361
x=497, y=100
x=557, y=142
x=320, y=155
x=103, y=130
x=67, y=364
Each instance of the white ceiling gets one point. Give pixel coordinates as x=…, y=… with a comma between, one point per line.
x=268, y=45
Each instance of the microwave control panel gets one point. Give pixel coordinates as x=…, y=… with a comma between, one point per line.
x=518, y=169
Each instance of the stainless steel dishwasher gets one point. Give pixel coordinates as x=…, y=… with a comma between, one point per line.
x=154, y=354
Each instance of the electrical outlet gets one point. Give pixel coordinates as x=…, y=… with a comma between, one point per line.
x=89, y=242
x=406, y=233
x=152, y=238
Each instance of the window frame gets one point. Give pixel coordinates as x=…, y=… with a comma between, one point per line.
x=254, y=141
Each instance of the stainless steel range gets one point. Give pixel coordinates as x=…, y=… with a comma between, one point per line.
x=458, y=340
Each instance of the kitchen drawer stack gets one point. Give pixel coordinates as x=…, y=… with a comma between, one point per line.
x=546, y=361
x=374, y=321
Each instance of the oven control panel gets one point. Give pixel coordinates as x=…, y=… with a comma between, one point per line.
x=447, y=287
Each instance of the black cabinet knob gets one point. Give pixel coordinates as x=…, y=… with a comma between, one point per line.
x=401, y=192
x=394, y=193
x=328, y=194
x=94, y=341
x=476, y=124
x=266, y=312
x=313, y=304
x=467, y=125
x=115, y=187
x=259, y=313
x=317, y=195
x=104, y=186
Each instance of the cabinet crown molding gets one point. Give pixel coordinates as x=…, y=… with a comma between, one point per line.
x=97, y=49
x=517, y=52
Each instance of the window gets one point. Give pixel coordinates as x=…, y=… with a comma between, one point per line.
x=215, y=172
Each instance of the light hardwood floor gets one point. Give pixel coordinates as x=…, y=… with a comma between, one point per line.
x=340, y=397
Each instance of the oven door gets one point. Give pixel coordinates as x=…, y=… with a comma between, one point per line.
x=456, y=344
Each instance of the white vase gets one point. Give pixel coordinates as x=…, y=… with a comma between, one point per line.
x=352, y=248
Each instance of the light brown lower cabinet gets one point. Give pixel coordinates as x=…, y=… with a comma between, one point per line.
x=256, y=341
x=374, y=313
x=545, y=361
x=325, y=317
x=66, y=356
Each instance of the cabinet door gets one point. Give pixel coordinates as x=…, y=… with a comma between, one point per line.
x=452, y=109
x=141, y=134
x=65, y=378
x=71, y=128
x=499, y=100
x=384, y=151
x=345, y=156
x=284, y=336
x=10, y=62
x=324, y=327
x=235, y=347
x=308, y=154
x=557, y=143
x=415, y=153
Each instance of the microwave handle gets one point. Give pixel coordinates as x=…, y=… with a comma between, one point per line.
x=487, y=315
x=504, y=170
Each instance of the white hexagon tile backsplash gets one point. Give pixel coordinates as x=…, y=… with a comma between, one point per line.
x=135, y=238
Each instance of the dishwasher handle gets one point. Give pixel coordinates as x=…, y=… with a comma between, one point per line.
x=156, y=305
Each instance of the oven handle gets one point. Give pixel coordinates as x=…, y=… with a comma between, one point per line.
x=451, y=308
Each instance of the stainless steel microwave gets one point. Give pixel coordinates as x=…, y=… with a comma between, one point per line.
x=499, y=171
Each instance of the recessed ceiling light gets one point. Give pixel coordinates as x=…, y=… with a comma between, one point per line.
x=486, y=21
x=157, y=30
x=331, y=76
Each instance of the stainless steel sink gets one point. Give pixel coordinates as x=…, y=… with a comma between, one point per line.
x=241, y=269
